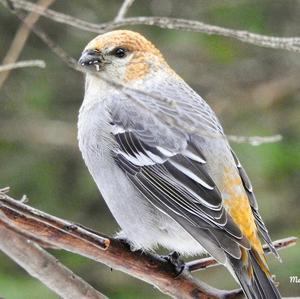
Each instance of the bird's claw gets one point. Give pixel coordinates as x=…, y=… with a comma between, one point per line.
x=174, y=259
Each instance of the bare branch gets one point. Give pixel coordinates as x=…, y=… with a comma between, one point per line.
x=36, y=225
x=208, y=262
x=255, y=140
x=58, y=233
x=286, y=43
x=123, y=10
x=21, y=37
x=46, y=268
x=44, y=221
x=22, y=64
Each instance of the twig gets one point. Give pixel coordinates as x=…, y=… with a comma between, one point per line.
x=255, y=140
x=43, y=266
x=22, y=64
x=210, y=262
x=286, y=43
x=123, y=10
x=21, y=36
x=58, y=233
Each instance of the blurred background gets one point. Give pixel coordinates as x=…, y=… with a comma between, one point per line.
x=254, y=91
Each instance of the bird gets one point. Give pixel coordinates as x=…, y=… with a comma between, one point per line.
x=163, y=164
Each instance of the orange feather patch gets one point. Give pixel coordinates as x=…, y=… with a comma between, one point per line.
x=237, y=205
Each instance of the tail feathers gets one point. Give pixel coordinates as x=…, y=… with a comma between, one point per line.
x=255, y=281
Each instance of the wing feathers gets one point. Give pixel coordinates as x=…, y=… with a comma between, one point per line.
x=178, y=185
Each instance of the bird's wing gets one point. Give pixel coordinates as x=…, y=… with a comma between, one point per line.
x=167, y=165
x=253, y=203
x=169, y=169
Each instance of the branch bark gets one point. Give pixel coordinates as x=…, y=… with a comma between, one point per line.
x=54, y=232
x=44, y=267
x=286, y=43
x=58, y=233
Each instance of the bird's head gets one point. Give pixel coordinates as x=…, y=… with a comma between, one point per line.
x=121, y=55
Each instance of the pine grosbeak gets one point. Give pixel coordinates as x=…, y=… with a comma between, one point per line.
x=159, y=156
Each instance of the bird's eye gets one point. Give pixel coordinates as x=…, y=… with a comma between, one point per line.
x=119, y=52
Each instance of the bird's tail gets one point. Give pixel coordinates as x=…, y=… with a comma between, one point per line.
x=254, y=277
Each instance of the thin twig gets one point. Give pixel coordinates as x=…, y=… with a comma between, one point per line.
x=208, y=262
x=21, y=37
x=44, y=267
x=22, y=64
x=286, y=43
x=255, y=140
x=123, y=10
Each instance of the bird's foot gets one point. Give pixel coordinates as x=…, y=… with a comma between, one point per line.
x=174, y=259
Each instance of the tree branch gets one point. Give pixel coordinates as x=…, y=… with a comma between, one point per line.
x=43, y=266
x=116, y=254
x=286, y=43
x=58, y=233
x=208, y=262
x=22, y=64
x=20, y=38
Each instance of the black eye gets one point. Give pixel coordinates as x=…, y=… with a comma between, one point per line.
x=119, y=52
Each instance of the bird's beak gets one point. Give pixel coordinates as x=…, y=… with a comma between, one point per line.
x=90, y=58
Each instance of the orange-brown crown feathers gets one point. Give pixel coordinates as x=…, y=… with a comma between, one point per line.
x=132, y=41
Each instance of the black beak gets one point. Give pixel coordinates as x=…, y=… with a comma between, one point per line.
x=90, y=57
